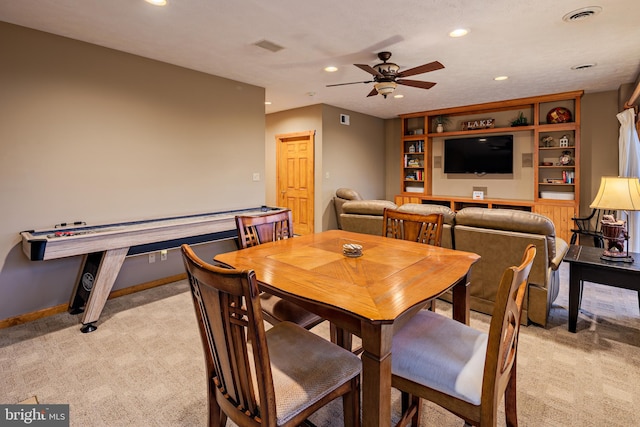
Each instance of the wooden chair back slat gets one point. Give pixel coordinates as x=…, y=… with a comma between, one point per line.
x=255, y=230
x=413, y=227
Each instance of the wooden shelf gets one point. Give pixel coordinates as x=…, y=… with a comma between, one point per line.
x=482, y=131
x=535, y=109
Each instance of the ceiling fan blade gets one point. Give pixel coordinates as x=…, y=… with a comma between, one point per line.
x=416, y=83
x=369, y=69
x=352, y=83
x=373, y=92
x=432, y=66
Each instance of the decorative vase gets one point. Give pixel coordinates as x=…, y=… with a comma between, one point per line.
x=439, y=128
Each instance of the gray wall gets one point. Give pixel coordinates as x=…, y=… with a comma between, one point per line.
x=88, y=133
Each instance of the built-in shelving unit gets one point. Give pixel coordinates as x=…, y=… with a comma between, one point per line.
x=556, y=153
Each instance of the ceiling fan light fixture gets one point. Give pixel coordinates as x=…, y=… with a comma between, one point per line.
x=385, y=88
x=387, y=68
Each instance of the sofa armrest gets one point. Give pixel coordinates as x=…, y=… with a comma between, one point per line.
x=561, y=250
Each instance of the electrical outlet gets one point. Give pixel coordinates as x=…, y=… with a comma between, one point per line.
x=152, y=258
x=256, y=176
x=163, y=255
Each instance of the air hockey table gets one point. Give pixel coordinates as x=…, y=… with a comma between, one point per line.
x=105, y=247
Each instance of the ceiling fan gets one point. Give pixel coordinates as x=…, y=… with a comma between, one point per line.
x=386, y=76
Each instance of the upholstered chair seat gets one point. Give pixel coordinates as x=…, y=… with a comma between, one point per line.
x=447, y=356
x=298, y=381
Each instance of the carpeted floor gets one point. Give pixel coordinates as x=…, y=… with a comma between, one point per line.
x=144, y=364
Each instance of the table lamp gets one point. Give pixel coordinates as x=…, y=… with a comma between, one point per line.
x=623, y=194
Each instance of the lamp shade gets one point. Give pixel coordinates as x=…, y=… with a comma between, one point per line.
x=385, y=88
x=618, y=193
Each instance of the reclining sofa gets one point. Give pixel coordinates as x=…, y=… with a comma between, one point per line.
x=499, y=236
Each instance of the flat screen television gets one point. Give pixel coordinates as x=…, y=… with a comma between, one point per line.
x=479, y=155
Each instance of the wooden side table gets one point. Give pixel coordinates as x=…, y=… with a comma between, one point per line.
x=586, y=265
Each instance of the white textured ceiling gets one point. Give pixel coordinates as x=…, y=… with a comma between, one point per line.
x=524, y=39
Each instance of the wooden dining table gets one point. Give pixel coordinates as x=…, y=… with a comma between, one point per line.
x=370, y=296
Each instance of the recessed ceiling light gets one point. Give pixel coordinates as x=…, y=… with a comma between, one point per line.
x=331, y=69
x=399, y=95
x=583, y=66
x=267, y=102
x=580, y=14
x=460, y=32
x=500, y=78
x=157, y=2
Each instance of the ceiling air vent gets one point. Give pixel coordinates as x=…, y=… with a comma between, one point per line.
x=580, y=14
x=271, y=46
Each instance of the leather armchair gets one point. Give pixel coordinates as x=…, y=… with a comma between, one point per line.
x=343, y=195
x=500, y=236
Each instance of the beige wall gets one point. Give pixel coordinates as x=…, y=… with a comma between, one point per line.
x=291, y=121
x=346, y=156
x=392, y=149
x=599, y=143
x=92, y=134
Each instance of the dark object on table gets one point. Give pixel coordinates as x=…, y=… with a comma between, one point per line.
x=590, y=226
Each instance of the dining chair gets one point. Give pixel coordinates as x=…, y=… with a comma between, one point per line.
x=459, y=368
x=268, y=378
x=414, y=227
x=255, y=230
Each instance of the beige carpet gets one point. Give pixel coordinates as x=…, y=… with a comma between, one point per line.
x=144, y=364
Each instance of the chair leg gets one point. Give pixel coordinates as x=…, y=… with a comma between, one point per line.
x=574, y=237
x=217, y=418
x=351, y=404
x=510, y=407
x=411, y=410
x=417, y=403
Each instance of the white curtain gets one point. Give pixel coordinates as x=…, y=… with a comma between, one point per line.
x=629, y=166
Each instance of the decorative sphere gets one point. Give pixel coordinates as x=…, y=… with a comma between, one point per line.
x=559, y=115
